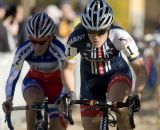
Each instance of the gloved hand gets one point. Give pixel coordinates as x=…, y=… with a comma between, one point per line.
x=134, y=102
x=7, y=106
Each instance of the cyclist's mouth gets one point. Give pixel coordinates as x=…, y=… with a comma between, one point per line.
x=96, y=42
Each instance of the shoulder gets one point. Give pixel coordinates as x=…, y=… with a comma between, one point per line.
x=78, y=35
x=58, y=44
x=120, y=37
x=118, y=32
x=23, y=47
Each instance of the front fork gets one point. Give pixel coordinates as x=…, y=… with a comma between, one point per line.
x=104, y=121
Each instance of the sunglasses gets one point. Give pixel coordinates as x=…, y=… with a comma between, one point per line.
x=39, y=42
x=97, y=32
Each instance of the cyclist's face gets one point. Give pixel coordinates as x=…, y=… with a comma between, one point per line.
x=40, y=45
x=97, y=38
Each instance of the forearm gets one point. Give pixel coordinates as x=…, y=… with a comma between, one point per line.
x=140, y=82
x=141, y=76
x=68, y=79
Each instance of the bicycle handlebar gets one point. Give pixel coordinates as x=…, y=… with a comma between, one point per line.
x=28, y=107
x=34, y=107
x=104, y=104
x=101, y=104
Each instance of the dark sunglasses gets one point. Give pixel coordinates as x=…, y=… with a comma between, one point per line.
x=39, y=42
x=97, y=32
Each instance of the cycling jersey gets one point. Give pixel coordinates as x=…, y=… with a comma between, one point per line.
x=102, y=67
x=50, y=61
x=101, y=60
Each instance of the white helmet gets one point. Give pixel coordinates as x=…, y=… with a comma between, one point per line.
x=97, y=15
x=40, y=25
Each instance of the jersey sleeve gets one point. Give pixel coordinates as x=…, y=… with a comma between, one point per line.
x=14, y=74
x=71, y=53
x=124, y=42
x=71, y=49
x=58, y=49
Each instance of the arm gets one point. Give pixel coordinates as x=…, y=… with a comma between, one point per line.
x=141, y=75
x=71, y=53
x=13, y=76
x=126, y=44
x=11, y=82
x=68, y=75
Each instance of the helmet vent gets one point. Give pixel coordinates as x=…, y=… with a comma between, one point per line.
x=90, y=13
x=106, y=11
x=108, y=20
x=101, y=4
x=37, y=26
x=92, y=4
x=95, y=20
x=85, y=11
x=96, y=8
x=46, y=31
x=101, y=11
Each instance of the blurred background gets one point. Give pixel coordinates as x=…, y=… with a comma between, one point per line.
x=141, y=18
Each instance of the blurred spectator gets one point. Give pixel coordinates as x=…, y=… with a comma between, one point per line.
x=66, y=23
x=22, y=22
x=2, y=9
x=55, y=13
x=37, y=8
x=11, y=25
x=4, y=45
x=68, y=12
x=157, y=29
x=153, y=66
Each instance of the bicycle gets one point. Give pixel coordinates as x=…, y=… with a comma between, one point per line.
x=107, y=118
x=41, y=120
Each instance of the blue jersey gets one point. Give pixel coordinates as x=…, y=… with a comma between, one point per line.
x=50, y=61
x=101, y=60
x=101, y=67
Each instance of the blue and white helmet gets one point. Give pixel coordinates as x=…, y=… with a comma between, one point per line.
x=40, y=25
x=97, y=15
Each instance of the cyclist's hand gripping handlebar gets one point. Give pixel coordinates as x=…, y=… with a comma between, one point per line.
x=134, y=105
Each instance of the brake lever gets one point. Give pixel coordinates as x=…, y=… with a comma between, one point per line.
x=131, y=116
x=8, y=121
x=68, y=110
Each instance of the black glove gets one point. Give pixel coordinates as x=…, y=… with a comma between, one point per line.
x=134, y=102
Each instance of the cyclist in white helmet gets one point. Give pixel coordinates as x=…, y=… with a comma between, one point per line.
x=44, y=54
x=103, y=67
